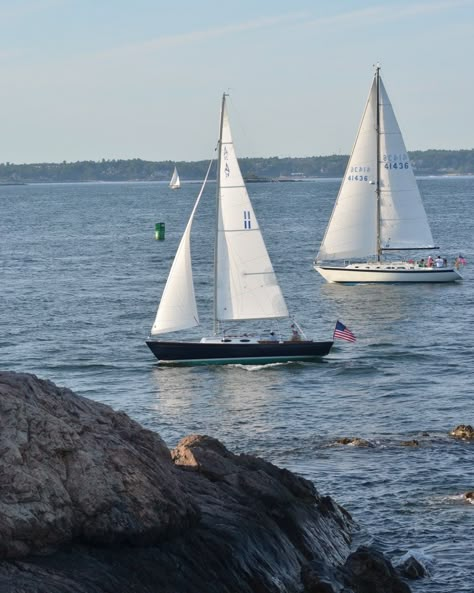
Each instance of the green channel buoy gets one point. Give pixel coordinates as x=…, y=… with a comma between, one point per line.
x=160, y=231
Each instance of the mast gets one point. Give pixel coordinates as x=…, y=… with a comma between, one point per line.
x=218, y=190
x=377, y=128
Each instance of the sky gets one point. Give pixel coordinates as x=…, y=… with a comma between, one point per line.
x=122, y=79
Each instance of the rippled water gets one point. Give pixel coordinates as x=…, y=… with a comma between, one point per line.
x=81, y=279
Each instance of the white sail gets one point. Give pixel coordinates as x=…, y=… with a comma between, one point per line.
x=175, y=182
x=353, y=229
x=403, y=220
x=246, y=285
x=177, y=309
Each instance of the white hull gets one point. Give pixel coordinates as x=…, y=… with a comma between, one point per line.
x=389, y=273
x=379, y=208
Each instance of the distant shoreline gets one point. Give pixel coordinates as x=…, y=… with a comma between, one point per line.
x=435, y=163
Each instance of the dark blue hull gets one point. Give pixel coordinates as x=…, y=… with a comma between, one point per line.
x=197, y=353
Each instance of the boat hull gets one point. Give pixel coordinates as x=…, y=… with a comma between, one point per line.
x=394, y=274
x=202, y=353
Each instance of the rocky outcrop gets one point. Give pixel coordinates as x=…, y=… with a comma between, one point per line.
x=354, y=442
x=75, y=470
x=412, y=568
x=410, y=443
x=463, y=431
x=91, y=502
x=370, y=572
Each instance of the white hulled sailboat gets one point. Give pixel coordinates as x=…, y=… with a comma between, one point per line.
x=175, y=182
x=379, y=208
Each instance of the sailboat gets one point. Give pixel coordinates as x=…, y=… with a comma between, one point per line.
x=379, y=209
x=175, y=182
x=245, y=285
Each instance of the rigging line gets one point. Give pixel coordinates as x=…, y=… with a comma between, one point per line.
x=202, y=189
x=242, y=129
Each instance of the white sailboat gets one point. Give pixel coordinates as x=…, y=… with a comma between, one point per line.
x=379, y=208
x=245, y=284
x=175, y=182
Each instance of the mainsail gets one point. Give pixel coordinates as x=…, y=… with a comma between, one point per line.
x=246, y=285
x=403, y=220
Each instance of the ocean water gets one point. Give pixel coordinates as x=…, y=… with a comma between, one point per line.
x=81, y=277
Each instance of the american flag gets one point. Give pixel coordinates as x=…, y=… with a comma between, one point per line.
x=341, y=332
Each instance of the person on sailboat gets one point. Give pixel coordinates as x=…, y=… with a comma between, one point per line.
x=460, y=261
x=272, y=337
x=295, y=334
x=439, y=262
x=429, y=262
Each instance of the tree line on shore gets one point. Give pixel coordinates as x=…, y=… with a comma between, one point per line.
x=427, y=162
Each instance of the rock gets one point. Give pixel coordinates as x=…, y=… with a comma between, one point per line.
x=91, y=502
x=469, y=496
x=463, y=431
x=317, y=578
x=411, y=443
x=412, y=568
x=72, y=469
x=354, y=442
x=370, y=572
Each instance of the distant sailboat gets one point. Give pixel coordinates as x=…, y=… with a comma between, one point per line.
x=175, y=182
x=245, y=285
x=378, y=208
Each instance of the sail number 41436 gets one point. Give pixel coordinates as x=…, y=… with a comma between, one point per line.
x=357, y=178
x=397, y=165
x=396, y=161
